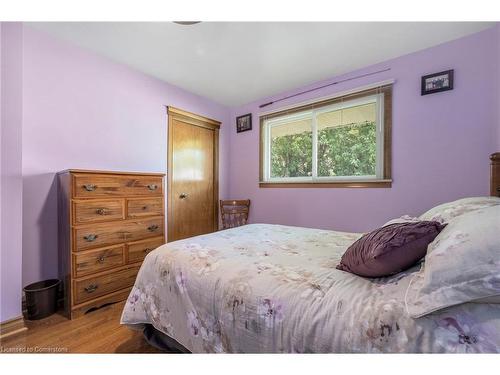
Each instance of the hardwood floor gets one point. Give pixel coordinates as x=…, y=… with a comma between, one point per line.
x=98, y=331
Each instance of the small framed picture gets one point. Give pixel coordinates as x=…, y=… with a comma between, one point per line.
x=244, y=123
x=437, y=82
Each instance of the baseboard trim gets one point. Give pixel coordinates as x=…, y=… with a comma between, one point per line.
x=12, y=327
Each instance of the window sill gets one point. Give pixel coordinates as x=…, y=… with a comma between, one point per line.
x=329, y=184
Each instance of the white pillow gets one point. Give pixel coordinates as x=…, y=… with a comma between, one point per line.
x=462, y=264
x=403, y=219
x=444, y=213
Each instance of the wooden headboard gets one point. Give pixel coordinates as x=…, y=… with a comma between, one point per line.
x=495, y=174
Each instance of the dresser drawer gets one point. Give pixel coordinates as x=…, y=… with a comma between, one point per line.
x=144, y=207
x=103, y=234
x=91, y=211
x=139, y=249
x=95, y=186
x=92, y=287
x=94, y=261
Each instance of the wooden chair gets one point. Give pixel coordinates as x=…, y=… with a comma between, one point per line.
x=234, y=213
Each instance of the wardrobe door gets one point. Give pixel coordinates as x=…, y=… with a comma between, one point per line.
x=192, y=175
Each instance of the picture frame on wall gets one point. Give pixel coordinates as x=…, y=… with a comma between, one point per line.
x=244, y=123
x=437, y=82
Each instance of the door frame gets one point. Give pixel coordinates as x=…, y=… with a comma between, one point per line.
x=174, y=113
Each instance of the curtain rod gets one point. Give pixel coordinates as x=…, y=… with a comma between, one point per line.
x=321, y=87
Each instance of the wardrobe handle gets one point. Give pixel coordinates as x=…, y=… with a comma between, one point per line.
x=183, y=195
x=90, y=237
x=90, y=187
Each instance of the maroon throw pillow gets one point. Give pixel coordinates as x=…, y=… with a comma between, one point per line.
x=390, y=249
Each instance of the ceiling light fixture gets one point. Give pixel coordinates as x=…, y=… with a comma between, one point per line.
x=187, y=23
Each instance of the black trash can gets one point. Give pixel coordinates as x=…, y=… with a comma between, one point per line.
x=41, y=298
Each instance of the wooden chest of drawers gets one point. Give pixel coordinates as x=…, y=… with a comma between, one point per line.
x=108, y=223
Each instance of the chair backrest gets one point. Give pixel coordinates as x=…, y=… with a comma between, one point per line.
x=234, y=213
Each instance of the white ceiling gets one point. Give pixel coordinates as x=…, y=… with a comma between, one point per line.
x=234, y=63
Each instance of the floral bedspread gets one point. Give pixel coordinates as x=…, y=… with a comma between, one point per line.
x=274, y=289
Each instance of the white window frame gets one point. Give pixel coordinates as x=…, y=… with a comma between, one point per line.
x=270, y=123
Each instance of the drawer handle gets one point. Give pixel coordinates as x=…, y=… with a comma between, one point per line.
x=147, y=250
x=101, y=259
x=90, y=237
x=152, y=228
x=90, y=187
x=183, y=195
x=101, y=211
x=152, y=187
x=91, y=288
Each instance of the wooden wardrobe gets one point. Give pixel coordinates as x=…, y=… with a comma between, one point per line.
x=193, y=170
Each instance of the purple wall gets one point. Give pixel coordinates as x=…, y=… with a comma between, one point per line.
x=498, y=86
x=11, y=169
x=441, y=143
x=84, y=111
x=1, y=174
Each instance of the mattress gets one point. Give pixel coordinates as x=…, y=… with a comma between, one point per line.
x=274, y=289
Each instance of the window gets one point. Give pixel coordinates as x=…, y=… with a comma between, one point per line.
x=343, y=141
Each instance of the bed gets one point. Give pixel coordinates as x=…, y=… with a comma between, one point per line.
x=274, y=289
x=264, y=288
